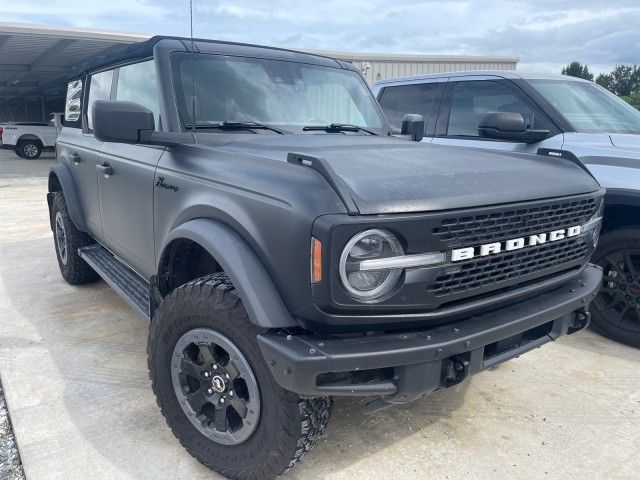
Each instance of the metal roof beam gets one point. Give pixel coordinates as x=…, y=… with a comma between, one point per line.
x=4, y=39
x=55, y=49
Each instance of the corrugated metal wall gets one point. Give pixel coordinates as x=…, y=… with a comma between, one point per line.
x=375, y=70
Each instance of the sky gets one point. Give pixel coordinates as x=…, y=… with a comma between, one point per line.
x=544, y=34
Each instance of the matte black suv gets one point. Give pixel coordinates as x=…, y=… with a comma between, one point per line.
x=285, y=247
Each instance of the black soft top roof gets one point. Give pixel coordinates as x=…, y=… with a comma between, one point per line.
x=140, y=50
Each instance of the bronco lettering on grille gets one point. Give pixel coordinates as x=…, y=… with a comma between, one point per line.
x=468, y=253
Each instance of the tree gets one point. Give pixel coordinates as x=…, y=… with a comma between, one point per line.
x=605, y=80
x=576, y=69
x=633, y=100
x=624, y=80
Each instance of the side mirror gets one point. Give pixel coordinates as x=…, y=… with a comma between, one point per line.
x=121, y=122
x=413, y=124
x=509, y=126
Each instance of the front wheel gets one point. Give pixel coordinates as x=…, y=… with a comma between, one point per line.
x=215, y=390
x=616, y=309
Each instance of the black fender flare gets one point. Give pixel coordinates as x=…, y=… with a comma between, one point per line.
x=257, y=291
x=65, y=179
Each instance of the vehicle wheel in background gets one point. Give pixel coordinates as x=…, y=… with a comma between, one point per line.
x=216, y=391
x=67, y=239
x=30, y=149
x=616, y=309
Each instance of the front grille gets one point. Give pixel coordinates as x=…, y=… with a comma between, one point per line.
x=513, y=222
x=516, y=266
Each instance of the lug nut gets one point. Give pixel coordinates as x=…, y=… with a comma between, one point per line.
x=222, y=400
x=215, y=367
x=206, y=374
x=209, y=391
x=231, y=393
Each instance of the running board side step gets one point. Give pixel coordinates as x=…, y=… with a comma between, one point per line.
x=127, y=283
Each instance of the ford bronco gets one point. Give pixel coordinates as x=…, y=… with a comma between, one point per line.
x=253, y=206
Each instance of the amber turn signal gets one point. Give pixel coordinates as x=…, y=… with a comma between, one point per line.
x=316, y=260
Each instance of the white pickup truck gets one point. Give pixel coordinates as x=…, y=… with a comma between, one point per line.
x=30, y=139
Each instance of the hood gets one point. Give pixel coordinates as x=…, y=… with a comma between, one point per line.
x=390, y=175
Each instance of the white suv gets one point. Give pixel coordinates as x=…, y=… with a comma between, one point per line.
x=553, y=116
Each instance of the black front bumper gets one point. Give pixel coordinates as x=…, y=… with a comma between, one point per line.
x=404, y=366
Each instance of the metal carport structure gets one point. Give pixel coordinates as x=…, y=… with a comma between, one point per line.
x=35, y=61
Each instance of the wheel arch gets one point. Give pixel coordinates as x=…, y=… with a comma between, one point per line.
x=235, y=257
x=60, y=180
x=29, y=136
x=622, y=209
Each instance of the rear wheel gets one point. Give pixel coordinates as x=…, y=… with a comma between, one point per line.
x=216, y=391
x=67, y=240
x=30, y=149
x=616, y=309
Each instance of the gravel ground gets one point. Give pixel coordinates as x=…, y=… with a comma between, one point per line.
x=10, y=465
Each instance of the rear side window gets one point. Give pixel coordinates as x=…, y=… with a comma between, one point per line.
x=99, y=89
x=473, y=100
x=137, y=83
x=398, y=101
x=73, y=104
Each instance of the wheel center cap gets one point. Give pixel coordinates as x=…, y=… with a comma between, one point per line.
x=218, y=384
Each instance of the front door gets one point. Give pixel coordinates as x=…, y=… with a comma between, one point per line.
x=467, y=101
x=126, y=177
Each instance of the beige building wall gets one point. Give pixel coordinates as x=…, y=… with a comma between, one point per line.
x=383, y=66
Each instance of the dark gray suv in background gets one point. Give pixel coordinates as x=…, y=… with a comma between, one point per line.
x=551, y=115
x=252, y=205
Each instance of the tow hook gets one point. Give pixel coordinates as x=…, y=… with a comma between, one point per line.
x=580, y=320
x=456, y=370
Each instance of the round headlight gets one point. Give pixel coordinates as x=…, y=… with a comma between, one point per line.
x=369, y=284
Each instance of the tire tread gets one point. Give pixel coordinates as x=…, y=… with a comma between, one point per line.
x=311, y=416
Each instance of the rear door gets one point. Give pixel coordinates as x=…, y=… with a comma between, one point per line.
x=422, y=98
x=468, y=99
x=126, y=195
x=78, y=147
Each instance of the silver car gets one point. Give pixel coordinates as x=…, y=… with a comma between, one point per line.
x=552, y=116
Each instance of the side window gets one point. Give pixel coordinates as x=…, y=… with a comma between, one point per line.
x=73, y=104
x=99, y=89
x=472, y=100
x=398, y=101
x=137, y=83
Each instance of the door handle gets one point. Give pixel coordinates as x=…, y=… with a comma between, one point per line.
x=106, y=169
x=75, y=158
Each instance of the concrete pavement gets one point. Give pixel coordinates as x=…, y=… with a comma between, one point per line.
x=73, y=365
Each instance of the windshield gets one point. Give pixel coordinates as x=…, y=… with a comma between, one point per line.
x=271, y=92
x=588, y=107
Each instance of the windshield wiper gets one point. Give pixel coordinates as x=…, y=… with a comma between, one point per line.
x=337, y=128
x=225, y=125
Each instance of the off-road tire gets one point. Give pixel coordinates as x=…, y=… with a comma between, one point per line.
x=288, y=426
x=74, y=270
x=611, y=242
x=30, y=149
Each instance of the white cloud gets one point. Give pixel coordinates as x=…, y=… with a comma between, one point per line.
x=543, y=33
